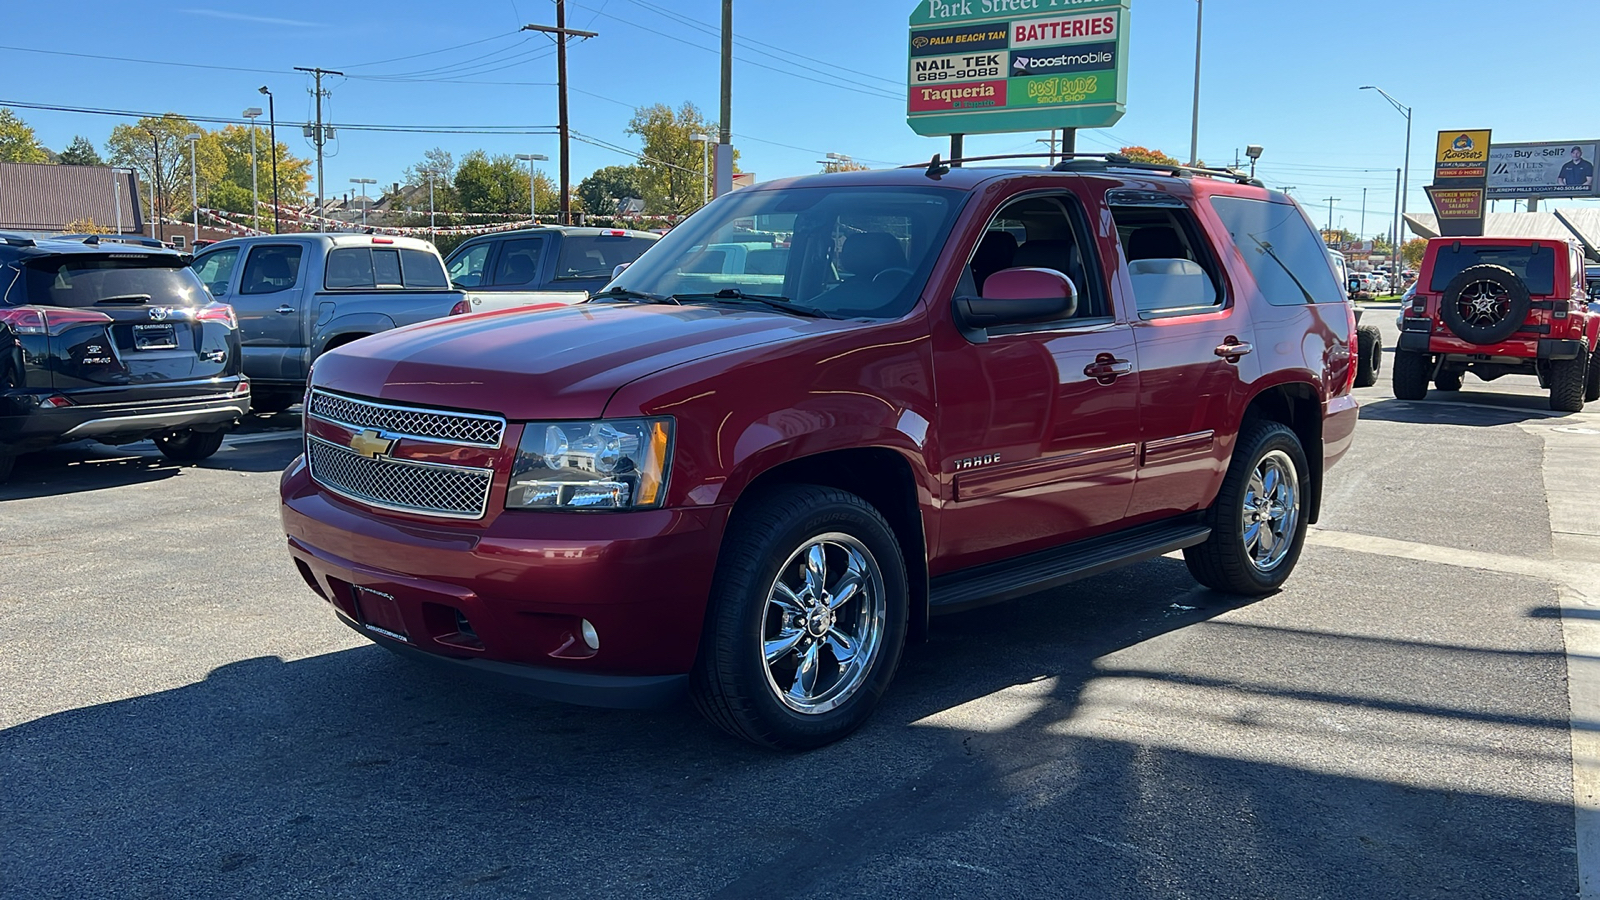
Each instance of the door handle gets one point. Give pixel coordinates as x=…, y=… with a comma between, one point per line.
x=1232, y=348
x=285, y=309
x=1106, y=368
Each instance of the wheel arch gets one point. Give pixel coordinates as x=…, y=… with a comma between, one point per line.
x=1295, y=404
x=883, y=477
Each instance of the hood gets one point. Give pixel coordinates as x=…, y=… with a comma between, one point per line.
x=562, y=363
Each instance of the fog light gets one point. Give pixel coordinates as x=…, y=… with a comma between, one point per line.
x=590, y=636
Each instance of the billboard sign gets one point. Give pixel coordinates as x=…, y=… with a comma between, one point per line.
x=1543, y=170
x=986, y=66
x=1460, y=173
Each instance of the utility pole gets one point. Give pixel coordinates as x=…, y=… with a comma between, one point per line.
x=561, y=32
x=158, y=208
x=725, y=134
x=320, y=136
x=1331, y=202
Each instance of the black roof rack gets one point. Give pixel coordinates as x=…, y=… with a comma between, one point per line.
x=1090, y=162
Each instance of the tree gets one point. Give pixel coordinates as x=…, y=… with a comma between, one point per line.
x=1411, y=252
x=221, y=157
x=494, y=184
x=18, y=142
x=80, y=153
x=605, y=186
x=441, y=165
x=1146, y=155
x=842, y=164
x=231, y=147
x=672, y=166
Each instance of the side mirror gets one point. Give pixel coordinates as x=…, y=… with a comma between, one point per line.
x=618, y=270
x=1019, y=296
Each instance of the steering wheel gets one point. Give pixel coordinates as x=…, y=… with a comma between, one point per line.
x=905, y=274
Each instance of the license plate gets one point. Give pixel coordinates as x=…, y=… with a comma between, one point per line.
x=154, y=337
x=380, y=613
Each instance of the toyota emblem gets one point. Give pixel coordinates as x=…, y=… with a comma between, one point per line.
x=159, y=313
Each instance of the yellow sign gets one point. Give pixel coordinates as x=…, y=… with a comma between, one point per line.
x=1463, y=147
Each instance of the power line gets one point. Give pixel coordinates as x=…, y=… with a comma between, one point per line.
x=428, y=52
x=148, y=62
x=227, y=120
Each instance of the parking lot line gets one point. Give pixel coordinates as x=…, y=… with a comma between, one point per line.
x=237, y=440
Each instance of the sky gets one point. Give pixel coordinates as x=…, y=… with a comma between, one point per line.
x=812, y=77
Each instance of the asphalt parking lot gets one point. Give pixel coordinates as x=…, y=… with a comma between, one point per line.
x=183, y=718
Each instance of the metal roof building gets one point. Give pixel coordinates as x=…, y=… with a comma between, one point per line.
x=1582, y=226
x=44, y=197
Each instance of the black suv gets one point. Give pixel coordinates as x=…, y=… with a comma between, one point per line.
x=115, y=342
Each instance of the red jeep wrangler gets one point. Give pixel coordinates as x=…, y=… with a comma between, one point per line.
x=822, y=410
x=1500, y=306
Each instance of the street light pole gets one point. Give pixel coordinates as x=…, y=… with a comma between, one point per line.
x=194, y=185
x=1194, y=117
x=255, y=192
x=433, y=228
x=272, y=135
x=533, y=197
x=363, y=182
x=1405, y=178
x=704, y=140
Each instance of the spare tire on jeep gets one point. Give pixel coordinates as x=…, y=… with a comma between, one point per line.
x=1485, y=304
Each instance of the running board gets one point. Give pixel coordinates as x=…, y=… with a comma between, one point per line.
x=1008, y=579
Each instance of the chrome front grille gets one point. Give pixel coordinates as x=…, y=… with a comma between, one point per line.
x=434, y=489
x=473, y=429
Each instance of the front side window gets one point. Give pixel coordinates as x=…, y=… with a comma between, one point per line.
x=1038, y=232
x=466, y=270
x=270, y=268
x=1283, y=251
x=519, y=262
x=216, y=270
x=847, y=252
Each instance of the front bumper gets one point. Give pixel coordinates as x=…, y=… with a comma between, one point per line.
x=33, y=427
x=505, y=598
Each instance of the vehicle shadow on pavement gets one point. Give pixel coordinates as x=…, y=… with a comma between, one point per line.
x=349, y=773
x=75, y=468
x=1461, y=408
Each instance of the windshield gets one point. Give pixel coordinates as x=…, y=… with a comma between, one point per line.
x=1537, y=268
x=846, y=251
x=78, y=281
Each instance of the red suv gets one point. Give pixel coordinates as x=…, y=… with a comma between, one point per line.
x=821, y=411
x=1500, y=306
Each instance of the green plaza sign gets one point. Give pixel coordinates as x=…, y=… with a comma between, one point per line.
x=984, y=66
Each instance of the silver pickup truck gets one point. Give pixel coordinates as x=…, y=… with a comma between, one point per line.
x=299, y=295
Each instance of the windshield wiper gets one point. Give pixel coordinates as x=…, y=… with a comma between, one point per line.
x=620, y=293
x=772, y=301
x=125, y=298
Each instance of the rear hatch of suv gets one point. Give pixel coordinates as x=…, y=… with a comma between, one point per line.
x=137, y=325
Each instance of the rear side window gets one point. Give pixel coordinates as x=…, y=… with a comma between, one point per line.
x=519, y=261
x=595, y=255
x=74, y=281
x=1283, y=252
x=216, y=269
x=423, y=269
x=349, y=267
x=1536, y=268
x=1169, y=267
x=270, y=268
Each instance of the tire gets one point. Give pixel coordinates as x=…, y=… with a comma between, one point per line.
x=1247, y=554
x=189, y=445
x=1369, y=355
x=1568, y=381
x=1448, y=380
x=272, y=401
x=756, y=608
x=1485, y=304
x=1591, y=385
x=1411, y=371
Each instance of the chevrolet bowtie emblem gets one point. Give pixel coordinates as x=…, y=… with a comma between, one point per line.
x=372, y=444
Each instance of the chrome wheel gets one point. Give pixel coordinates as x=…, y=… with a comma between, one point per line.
x=1271, y=511
x=823, y=623
x=1484, y=304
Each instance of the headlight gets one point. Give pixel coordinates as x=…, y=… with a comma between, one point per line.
x=610, y=464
